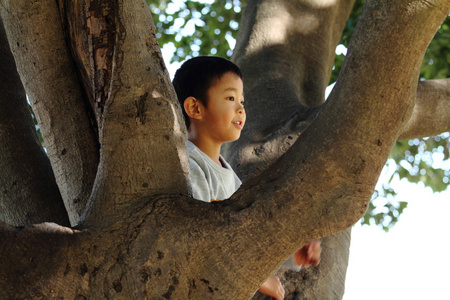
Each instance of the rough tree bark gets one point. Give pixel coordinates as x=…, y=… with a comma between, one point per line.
x=46, y=69
x=142, y=237
x=26, y=174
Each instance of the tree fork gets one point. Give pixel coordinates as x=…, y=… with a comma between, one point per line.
x=90, y=28
x=313, y=186
x=141, y=103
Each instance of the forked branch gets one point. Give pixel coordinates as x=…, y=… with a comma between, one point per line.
x=143, y=138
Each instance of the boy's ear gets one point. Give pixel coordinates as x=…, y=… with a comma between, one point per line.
x=193, y=108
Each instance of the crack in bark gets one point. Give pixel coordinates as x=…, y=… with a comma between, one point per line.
x=93, y=40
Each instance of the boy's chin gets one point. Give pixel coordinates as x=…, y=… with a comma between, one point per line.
x=235, y=139
x=231, y=140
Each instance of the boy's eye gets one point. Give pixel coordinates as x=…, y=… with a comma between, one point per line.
x=230, y=98
x=242, y=102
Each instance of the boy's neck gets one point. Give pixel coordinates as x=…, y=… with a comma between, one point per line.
x=209, y=148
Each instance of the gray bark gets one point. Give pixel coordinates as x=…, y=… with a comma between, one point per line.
x=46, y=69
x=27, y=183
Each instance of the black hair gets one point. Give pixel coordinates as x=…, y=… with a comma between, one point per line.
x=196, y=76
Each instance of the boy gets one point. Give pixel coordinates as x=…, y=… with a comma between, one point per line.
x=210, y=91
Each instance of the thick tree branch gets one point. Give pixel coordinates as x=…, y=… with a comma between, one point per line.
x=266, y=96
x=142, y=122
x=431, y=114
x=28, y=190
x=47, y=72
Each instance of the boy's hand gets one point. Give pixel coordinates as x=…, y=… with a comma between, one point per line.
x=308, y=254
x=272, y=287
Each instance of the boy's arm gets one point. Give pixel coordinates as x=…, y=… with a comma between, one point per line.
x=309, y=254
x=272, y=287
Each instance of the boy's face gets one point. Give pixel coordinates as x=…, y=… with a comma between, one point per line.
x=224, y=116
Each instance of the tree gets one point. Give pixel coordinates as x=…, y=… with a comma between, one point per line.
x=117, y=146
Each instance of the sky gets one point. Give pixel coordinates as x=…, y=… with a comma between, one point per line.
x=412, y=260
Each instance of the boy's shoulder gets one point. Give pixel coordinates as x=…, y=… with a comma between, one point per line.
x=191, y=146
x=197, y=155
x=194, y=152
x=198, y=159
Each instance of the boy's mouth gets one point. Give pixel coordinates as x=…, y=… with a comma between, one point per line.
x=240, y=124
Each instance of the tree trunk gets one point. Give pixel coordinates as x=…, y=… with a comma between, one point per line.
x=143, y=238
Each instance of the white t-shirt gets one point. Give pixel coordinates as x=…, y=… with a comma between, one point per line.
x=209, y=181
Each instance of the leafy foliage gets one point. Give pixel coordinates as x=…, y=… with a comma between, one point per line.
x=210, y=27
x=197, y=28
x=416, y=161
x=345, y=38
x=424, y=161
x=437, y=57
